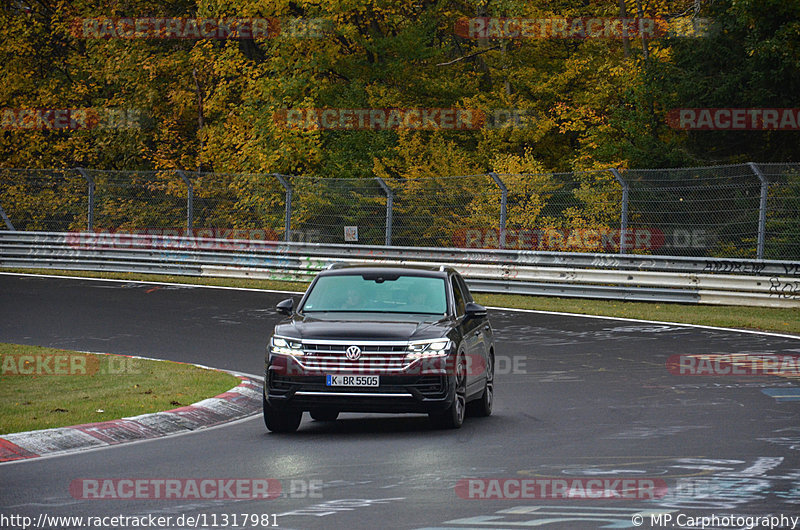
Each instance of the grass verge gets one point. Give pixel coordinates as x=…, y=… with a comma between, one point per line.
x=41, y=388
x=756, y=318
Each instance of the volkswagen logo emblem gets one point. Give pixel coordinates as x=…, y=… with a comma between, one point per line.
x=353, y=353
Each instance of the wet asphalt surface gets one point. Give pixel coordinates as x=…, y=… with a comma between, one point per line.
x=576, y=398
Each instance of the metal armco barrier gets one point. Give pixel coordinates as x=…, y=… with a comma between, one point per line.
x=621, y=277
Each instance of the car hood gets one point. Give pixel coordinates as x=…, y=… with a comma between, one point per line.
x=363, y=326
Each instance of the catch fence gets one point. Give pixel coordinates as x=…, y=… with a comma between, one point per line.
x=732, y=211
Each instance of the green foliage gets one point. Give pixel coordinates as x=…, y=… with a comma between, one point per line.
x=212, y=105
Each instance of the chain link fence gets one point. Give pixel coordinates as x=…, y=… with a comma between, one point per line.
x=782, y=211
x=735, y=211
x=323, y=208
x=43, y=199
x=696, y=211
x=439, y=211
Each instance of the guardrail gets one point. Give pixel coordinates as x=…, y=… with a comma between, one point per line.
x=624, y=277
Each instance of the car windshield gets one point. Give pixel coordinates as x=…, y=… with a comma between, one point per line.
x=377, y=293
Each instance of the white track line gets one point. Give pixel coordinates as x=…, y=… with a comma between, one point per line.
x=579, y=315
x=625, y=319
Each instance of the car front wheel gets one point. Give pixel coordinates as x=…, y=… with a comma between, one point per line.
x=453, y=417
x=280, y=419
x=483, y=406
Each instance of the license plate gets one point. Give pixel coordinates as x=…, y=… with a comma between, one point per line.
x=352, y=380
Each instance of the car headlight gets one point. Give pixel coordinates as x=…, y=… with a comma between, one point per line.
x=429, y=348
x=283, y=346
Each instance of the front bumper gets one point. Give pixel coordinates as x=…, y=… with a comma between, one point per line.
x=287, y=384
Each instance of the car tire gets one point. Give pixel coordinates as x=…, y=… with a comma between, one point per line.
x=482, y=407
x=453, y=417
x=281, y=419
x=324, y=414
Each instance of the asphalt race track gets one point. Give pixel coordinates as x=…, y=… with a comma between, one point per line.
x=576, y=398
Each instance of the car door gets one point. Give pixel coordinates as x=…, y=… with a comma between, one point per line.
x=483, y=332
x=470, y=331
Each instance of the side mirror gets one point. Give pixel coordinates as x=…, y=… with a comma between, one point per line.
x=474, y=310
x=286, y=307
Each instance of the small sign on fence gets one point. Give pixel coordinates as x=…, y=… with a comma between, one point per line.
x=351, y=234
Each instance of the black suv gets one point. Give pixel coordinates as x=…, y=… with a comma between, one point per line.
x=380, y=339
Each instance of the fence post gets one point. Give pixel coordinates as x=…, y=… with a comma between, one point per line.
x=762, y=209
x=90, y=207
x=189, y=199
x=389, y=205
x=503, y=206
x=623, y=222
x=6, y=219
x=287, y=222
